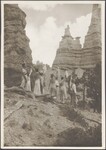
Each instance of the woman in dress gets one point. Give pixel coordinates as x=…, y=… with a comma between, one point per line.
x=57, y=89
x=52, y=86
x=63, y=94
x=24, y=76
x=37, y=90
x=73, y=92
x=32, y=78
x=42, y=82
x=28, y=84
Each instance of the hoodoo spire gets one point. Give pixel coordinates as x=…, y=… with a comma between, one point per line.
x=71, y=55
x=67, y=31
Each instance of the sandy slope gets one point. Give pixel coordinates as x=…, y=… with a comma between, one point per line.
x=35, y=122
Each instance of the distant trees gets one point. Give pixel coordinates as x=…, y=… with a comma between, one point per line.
x=94, y=87
x=91, y=81
x=84, y=81
x=39, y=65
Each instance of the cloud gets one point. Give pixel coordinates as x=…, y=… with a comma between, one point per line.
x=44, y=40
x=80, y=27
x=36, y=6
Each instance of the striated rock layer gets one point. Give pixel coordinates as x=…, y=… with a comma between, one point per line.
x=16, y=43
x=70, y=55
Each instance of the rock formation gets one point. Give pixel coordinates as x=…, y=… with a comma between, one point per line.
x=92, y=45
x=71, y=55
x=68, y=53
x=16, y=43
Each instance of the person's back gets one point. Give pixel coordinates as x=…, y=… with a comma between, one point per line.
x=52, y=81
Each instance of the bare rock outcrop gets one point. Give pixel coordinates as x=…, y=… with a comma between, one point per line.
x=70, y=55
x=92, y=46
x=16, y=43
x=69, y=51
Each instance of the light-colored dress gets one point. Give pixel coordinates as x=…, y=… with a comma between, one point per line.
x=28, y=84
x=63, y=91
x=57, y=90
x=23, y=83
x=73, y=94
x=37, y=90
x=42, y=83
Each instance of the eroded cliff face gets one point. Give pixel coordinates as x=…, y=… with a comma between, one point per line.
x=92, y=46
x=16, y=44
x=70, y=55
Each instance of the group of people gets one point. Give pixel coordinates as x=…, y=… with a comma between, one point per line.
x=63, y=89
x=60, y=88
x=32, y=80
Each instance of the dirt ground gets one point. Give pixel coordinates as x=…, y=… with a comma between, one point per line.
x=30, y=121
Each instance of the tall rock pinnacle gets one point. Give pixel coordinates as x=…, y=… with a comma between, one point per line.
x=67, y=31
x=71, y=55
x=16, y=43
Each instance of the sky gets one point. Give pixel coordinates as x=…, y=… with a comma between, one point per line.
x=46, y=24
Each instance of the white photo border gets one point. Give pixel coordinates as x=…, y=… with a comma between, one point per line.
x=103, y=71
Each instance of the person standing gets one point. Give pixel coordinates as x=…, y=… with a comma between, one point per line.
x=37, y=90
x=57, y=89
x=73, y=93
x=63, y=94
x=28, y=84
x=52, y=86
x=42, y=82
x=66, y=74
x=24, y=76
x=32, y=79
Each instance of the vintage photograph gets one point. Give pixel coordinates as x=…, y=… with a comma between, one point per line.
x=53, y=74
